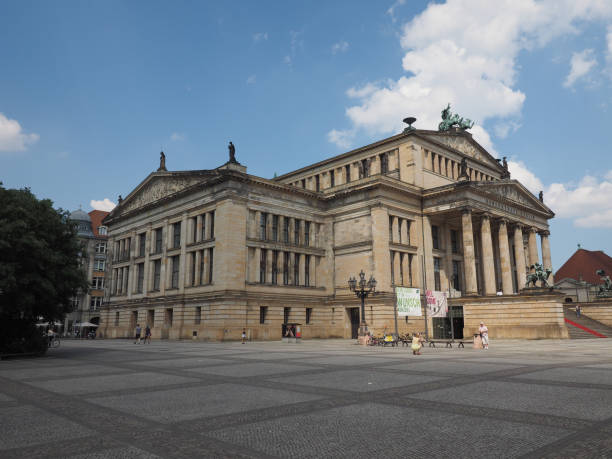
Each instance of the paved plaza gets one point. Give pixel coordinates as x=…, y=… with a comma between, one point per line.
x=327, y=398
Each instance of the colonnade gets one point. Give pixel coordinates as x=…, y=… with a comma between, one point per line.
x=523, y=258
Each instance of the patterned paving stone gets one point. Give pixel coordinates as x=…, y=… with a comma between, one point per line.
x=196, y=402
x=369, y=429
x=28, y=425
x=458, y=368
x=585, y=375
x=117, y=453
x=554, y=400
x=240, y=369
x=57, y=371
x=94, y=384
x=191, y=362
x=357, y=380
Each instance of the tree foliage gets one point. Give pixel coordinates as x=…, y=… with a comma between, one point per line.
x=40, y=270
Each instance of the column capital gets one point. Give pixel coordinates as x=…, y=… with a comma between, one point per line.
x=544, y=233
x=486, y=216
x=502, y=221
x=532, y=229
x=466, y=209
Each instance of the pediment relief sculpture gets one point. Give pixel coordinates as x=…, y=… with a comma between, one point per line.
x=156, y=189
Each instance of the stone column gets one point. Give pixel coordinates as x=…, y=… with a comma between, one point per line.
x=198, y=228
x=269, y=261
x=312, y=271
x=302, y=266
x=375, y=165
x=546, y=260
x=279, y=267
x=392, y=161
x=354, y=172
x=533, y=247
x=394, y=230
x=469, y=261
x=257, y=264
x=488, y=267
x=519, y=255
x=302, y=224
x=504, y=257
x=206, y=266
x=405, y=258
x=415, y=270
x=290, y=262
x=405, y=231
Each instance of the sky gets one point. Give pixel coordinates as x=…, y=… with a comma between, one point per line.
x=92, y=91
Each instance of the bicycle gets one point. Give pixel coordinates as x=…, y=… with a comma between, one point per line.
x=54, y=342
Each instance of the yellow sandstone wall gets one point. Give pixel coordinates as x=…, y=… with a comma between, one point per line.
x=599, y=311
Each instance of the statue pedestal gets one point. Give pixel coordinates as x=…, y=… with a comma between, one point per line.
x=234, y=167
x=537, y=291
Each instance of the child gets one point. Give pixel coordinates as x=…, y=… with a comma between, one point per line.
x=243, y=335
x=416, y=343
x=484, y=334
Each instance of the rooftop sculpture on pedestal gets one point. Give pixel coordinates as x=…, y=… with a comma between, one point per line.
x=232, y=153
x=540, y=274
x=162, y=162
x=451, y=120
x=605, y=289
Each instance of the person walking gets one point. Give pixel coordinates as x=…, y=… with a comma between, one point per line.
x=137, y=335
x=147, y=337
x=578, y=311
x=484, y=334
x=243, y=335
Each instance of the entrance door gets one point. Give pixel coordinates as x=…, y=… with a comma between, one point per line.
x=354, y=317
x=442, y=325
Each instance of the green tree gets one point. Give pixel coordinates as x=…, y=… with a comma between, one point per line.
x=40, y=269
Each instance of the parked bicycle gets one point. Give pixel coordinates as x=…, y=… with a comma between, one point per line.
x=54, y=341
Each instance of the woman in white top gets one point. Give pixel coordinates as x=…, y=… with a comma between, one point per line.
x=484, y=334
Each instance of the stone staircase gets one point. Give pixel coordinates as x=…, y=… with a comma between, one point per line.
x=578, y=333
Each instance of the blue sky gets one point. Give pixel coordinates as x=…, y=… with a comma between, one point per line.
x=91, y=91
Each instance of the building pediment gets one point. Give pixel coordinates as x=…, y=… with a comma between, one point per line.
x=158, y=186
x=512, y=190
x=463, y=143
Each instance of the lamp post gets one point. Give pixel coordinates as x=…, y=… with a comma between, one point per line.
x=362, y=289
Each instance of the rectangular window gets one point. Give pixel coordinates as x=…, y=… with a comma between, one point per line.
x=286, y=230
x=151, y=318
x=435, y=237
x=285, y=268
x=275, y=267
x=141, y=244
x=97, y=283
x=296, y=269
x=168, y=317
x=158, y=240
x=306, y=233
x=437, y=273
x=176, y=235
x=308, y=315
x=100, y=247
x=317, y=183
x=456, y=276
x=263, y=220
x=203, y=230
x=175, y=271
x=262, y=266
x=365, y=167
x=296, y=231
x=307, y=270
x=286, y=314
x=384, y=164
x=95, y=303
x=332, y=178
x=275, y=227
x=156, y=274
x=454, y=241
x=392, y=268
x=140, y=283
x=117, y=319
x=263, y=312
x=212, y=224
x=347, y=171
x=192, y=270
x=99, y=265
x=210, y=266
x=198, y=315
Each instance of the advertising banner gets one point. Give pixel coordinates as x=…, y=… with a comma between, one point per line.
x=437, y=304
x=408, y=301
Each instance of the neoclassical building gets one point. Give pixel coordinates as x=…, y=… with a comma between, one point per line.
x=204, y=254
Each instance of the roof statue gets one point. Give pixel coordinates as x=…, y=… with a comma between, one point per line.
x=463, y=169
x=162, y=162
x=541, y=196
x=450, y=120
x=539, y=274
x=232, y=153
x=605, y=289
x=409, y=121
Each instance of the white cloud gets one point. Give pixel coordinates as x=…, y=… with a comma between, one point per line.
x=340, y=47
x=465, y=52
x=251, y=79
x=177, y=136
x=260, y=36
x=12, y=138
x=287, y=60
x=342, y=139
x=392, y=8
x=519, y=171
x=106, y=204
x=580, y=65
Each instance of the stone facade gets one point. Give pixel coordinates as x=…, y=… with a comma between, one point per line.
x=205, y=254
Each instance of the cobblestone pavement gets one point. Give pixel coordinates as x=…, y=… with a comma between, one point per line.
x=328, y=398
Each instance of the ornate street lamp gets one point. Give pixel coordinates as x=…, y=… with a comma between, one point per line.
x=362, y=289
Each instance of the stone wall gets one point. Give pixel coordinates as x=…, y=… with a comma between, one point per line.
x=600, y=311
x=516, y=316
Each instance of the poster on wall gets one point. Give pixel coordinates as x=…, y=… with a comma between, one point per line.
x=437, y=304
x=408, y=301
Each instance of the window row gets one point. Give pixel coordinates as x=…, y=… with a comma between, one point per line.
x=276, y=267
x=449, y=168
x=198, y=267
x=403, y=268
x=399, y=230
x=97, y=283
x=277, y=228
x=95, y=303
x=454, y=280
x=377, y=164
x=436, y=239
x=263, y=315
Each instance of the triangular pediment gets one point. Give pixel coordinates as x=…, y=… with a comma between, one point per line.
x=158, y=186
x=512, y=190
x=464, y=144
